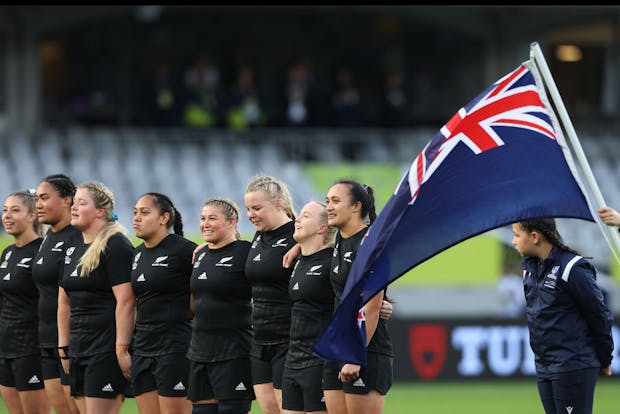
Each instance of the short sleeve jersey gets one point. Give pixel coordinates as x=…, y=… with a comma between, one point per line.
x=92, y=328
x=312, y=300
x=342, y=260
x=271, y=307
x=19, y=317
x=222, y=302
x=160, y=281
x=46, y=273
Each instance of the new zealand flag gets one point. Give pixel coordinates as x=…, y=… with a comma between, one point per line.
x=500, y=159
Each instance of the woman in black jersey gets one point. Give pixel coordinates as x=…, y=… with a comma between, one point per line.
x=96, y=304
x=160, y=276
x=220, y=371
x=349, y=204
x=312, y=300
x=21, y=377
x=54, y=197
x=269, y=207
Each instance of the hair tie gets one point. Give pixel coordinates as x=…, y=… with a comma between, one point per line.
x=365, y=187
x=114, y=217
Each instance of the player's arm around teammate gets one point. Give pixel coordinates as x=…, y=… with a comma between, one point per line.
x=160, y=277
x=21, y=379
x=312, y=300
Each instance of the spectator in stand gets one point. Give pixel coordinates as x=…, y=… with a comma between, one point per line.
x=245, y=108
x=301, y=94
x=162, y=97
x=395, y=102
x=346, y=100
x=204, y=100
x=21, y=375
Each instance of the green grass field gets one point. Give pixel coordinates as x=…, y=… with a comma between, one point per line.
x=468, y=397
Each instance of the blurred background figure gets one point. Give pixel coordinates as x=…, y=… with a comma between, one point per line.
x=245, y=108
x=202, y=82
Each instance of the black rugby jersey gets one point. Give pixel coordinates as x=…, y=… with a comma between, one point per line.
x=342, y=260
x=312, y=300
x=92, y=328
x=19, y=316
x=46, y=273
x=160, y=281
x=271, y=307
x=222, y=297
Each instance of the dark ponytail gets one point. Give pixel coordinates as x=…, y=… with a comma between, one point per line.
x=166, y=206
x=548, y=229
x=365, y=195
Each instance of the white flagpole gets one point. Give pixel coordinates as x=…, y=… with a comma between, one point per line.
x=610, y=234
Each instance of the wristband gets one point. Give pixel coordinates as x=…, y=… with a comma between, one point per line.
x=122, y=348
x=63, y=352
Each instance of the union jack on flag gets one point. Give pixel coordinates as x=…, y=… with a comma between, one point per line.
x=511, y=101
x=500, y=159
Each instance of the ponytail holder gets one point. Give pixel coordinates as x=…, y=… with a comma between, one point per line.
x=365, y=187
x=114, y=217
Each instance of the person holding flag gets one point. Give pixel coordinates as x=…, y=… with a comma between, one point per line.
x=569, y=322
x=349, y=205
x=609, y=216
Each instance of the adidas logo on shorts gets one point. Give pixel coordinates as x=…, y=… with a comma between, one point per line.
x=107, y=387
x=34, y=380
x=241, y=387
x=179, y=387
x=359, y=383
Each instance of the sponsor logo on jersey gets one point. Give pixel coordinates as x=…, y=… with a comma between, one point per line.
x=257, y=258
x=58, y=246
x=224, y=262
x=241, y=387
x=296, y=286
x=107, y=387
x=335, y=270
x=569, y=409
x=70, y=251
x=159, y=260
x=74, y=273
x=347, y=257
x=197, y=263
x=141, y=278
x=179, y=387
x=136, y=258
x=280, y=243
x=25, y=262
x=203, y=275
x=34, y=380
x=314, y=271
x=40, y=261
x=6, y=260
x=7, y=277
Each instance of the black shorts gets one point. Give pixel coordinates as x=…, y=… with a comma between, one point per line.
x=97, y=376
x=377, y=375
x=52, y=367
x=331, y=369
x=222, y=380
x=23, y=374
x=268, y=363
x=166, y=373
x=301, y=389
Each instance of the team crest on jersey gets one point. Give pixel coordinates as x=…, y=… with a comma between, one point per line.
x=25, y=262
x=159, y=260
x=347, y=257
x=58, y=246
x=225, y=262
x=280, y=243
x=314, y=270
